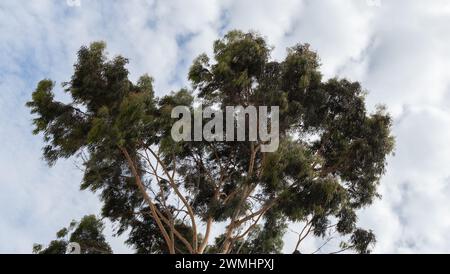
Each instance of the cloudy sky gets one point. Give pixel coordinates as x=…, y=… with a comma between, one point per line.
x=399, y=51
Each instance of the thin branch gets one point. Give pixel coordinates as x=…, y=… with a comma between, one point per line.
x=301, y=237
x=324, y=244
x=181, y=196
x=148, y=200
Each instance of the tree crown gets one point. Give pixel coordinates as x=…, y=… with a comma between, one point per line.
x=331, y=157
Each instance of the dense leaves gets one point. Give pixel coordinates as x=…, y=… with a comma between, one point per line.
x=331, y=156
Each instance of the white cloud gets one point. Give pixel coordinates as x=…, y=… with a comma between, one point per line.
x=397, y=49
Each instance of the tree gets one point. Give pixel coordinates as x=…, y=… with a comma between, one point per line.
x=171, y=194
x=88, y=233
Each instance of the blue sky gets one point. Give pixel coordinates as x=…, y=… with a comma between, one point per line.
x=398, y=50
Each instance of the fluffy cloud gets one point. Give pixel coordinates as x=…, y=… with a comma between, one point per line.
x=397, y=49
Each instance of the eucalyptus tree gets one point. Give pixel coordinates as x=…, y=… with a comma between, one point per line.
x=87, y=233
x=172, y=194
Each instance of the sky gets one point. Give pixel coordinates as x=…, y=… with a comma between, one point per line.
x=398, y=50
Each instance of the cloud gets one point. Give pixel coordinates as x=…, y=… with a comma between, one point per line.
x=398, y=50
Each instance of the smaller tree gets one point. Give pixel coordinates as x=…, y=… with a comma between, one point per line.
x=88, y=233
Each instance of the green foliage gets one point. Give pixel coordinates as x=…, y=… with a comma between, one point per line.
x=331, y=157
x=362, y=240
x=145, y=237
x=88, y=233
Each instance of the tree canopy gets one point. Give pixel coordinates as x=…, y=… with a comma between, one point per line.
x=171, y=195
x=88, y=233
